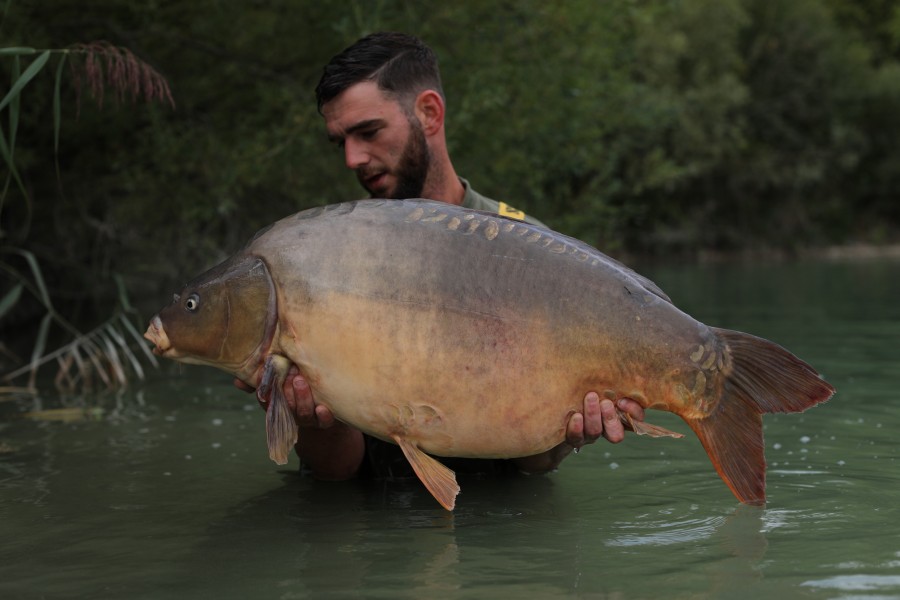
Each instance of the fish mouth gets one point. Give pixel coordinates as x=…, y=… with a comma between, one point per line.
x=156, y=333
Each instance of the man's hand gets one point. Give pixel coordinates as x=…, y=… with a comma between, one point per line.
x=299, y=399
x=330, y=449
x=600, y=418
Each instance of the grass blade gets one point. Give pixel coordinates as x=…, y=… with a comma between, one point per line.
x=141, y=342
x=93, y=352
x=33, y=69
x=57, y=105
x=112, y=356
x=39, y=345
x=120, y=341
x=10, y=299
x=14, y=104
x=38, y=278
x=13, y=173
x=123, y=294
x=17, y=51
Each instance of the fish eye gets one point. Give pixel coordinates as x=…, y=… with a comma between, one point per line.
x=192, y=303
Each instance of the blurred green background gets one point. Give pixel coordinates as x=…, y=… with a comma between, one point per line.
x=657, y=128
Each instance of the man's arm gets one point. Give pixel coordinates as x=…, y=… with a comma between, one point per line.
x=332, y=450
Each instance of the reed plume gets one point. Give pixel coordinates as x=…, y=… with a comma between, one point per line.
x=104, y=65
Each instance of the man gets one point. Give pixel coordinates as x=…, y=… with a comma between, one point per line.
x=383, y=104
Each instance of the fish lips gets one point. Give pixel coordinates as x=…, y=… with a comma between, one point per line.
x=156, y=334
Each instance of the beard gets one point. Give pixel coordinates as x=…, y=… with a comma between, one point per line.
x=411, y=170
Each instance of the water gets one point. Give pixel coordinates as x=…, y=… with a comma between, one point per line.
x=165, y=490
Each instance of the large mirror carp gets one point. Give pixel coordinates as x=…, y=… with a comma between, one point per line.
x=454, y=332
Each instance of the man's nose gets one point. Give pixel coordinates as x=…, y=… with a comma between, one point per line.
x=355, y=155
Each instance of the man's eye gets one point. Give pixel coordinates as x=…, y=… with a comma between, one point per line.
x=369, y=134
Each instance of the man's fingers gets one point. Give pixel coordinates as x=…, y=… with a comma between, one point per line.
x=300, y=399
x=324, y=416
x=632, y=408
x=612, y=426
x=593, y=418
x=575, y=430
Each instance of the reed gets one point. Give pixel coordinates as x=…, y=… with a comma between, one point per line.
x=112, y=351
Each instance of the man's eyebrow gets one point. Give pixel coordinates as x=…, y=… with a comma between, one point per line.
x=367, y=124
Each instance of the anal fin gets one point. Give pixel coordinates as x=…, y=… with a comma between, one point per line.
x=642, y=428
x=438, y=479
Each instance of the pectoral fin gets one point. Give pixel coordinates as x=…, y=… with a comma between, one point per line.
x=641, y=428
x=439, y=480
x=281, y=428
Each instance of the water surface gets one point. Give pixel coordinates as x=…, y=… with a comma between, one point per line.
x=165, y=490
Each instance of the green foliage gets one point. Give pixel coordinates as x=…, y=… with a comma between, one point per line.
x=642, y=126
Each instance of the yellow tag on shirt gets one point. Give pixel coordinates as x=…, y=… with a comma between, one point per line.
x=508, y=211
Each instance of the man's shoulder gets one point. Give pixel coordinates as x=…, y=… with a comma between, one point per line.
x=473, y=199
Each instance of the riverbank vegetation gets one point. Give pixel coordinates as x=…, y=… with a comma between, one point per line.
x=652, y=128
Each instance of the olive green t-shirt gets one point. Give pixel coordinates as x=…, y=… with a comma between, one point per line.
x=473, y=199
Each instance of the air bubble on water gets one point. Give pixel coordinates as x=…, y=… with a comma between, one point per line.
x=805, y=439
x=776, y=446
x=217, y=422
x=249, y=407
x=188, y=457
x=170, y=418
x=167, y=474
x=841, y=463
x=144, y=430
x=216, y=445
x=613, y=465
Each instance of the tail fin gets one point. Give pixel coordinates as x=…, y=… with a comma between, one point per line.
x=764, y=378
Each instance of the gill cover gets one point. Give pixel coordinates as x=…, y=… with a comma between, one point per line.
x=225, y=317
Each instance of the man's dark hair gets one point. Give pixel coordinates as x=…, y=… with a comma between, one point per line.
x=401, y=65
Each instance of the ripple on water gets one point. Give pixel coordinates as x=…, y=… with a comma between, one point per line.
x=858, y=583
x=660, y=532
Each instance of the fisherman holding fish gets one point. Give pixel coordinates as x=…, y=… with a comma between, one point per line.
x=384, y=106
x=454, y=332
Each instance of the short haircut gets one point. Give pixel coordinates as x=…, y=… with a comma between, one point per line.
x=400, y=64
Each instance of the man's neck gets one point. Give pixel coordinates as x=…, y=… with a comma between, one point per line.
x=443, y=184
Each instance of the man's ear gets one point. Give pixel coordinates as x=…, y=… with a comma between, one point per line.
x=429, y=110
